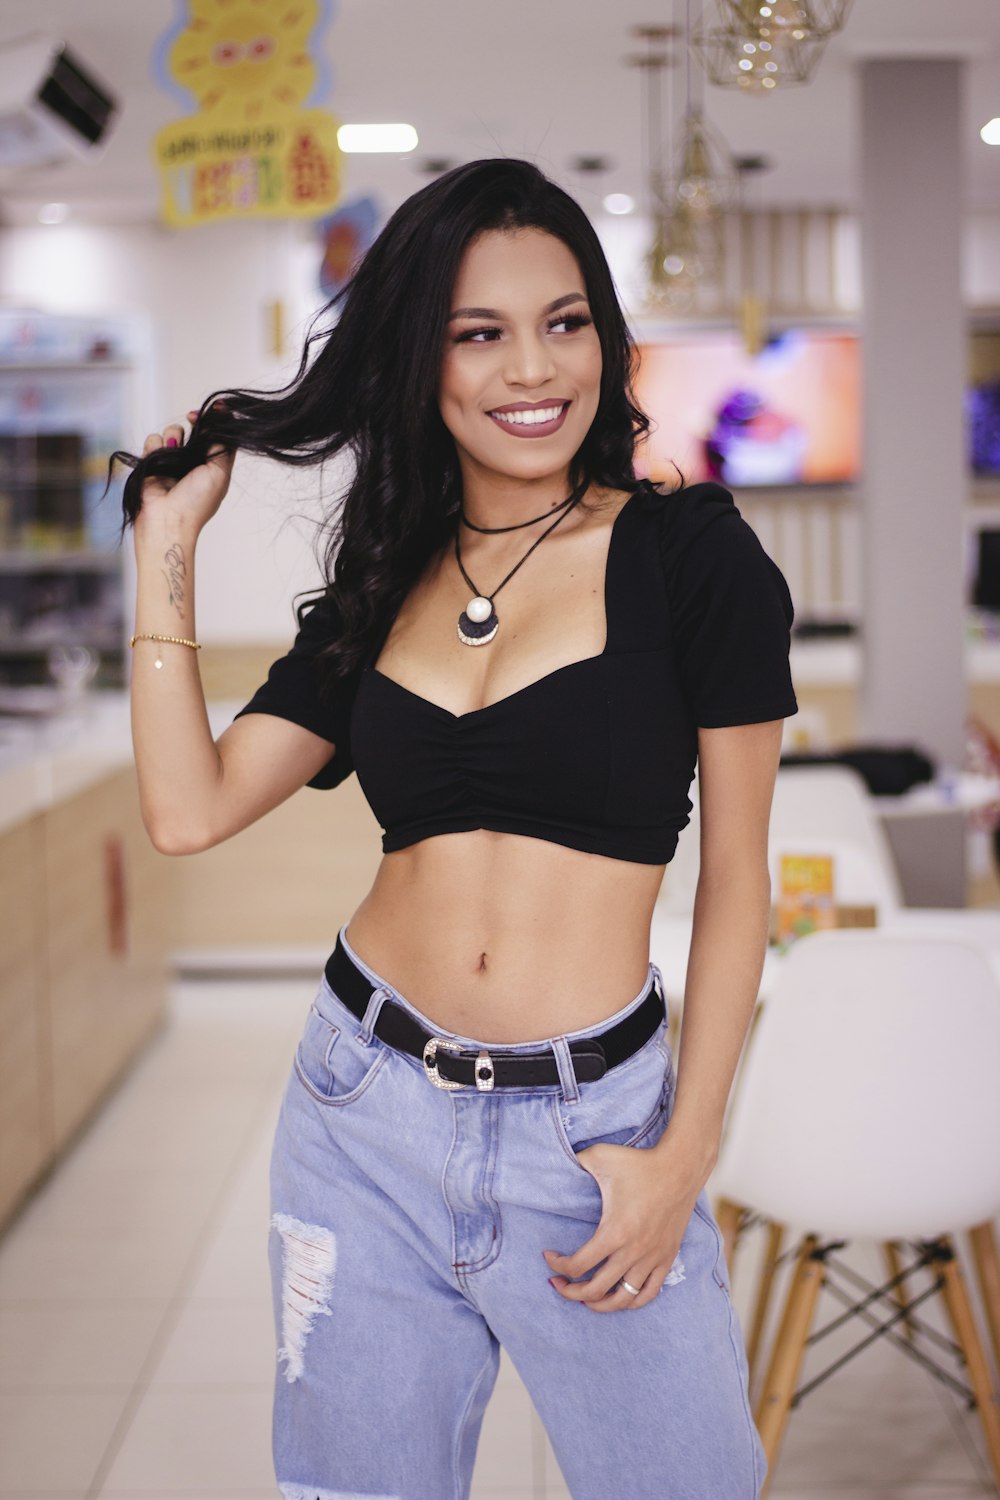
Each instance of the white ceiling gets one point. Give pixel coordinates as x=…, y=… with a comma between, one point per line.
x=547, y=81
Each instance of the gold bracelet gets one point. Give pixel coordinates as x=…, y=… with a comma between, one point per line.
x=178, y=639
x=152, y=636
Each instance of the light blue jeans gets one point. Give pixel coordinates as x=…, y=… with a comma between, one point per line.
x=407, y=1230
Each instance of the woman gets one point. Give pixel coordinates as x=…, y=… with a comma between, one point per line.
x=473, y=1146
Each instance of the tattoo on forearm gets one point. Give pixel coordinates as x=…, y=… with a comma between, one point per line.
x=175, y=573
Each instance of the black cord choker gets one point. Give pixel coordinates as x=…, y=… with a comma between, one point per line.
x=518, y=525
x=478, y=623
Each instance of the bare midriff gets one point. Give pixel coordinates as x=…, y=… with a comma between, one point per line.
x=502, y=937
x=505, y=938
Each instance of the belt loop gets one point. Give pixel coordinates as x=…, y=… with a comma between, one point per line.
x=375, y=1002
x=567, y=1072
x=661, y=990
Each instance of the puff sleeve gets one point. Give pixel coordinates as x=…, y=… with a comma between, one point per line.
x=299, y=690
x=731, y=611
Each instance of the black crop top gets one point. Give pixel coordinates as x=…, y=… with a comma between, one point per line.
x=597, y=755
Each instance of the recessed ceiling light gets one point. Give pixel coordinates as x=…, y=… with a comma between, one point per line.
x=619, y=203
x=393, y=138
x=53, y=213
x=990, y=133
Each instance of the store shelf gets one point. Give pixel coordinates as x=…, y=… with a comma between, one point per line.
x=62, y=566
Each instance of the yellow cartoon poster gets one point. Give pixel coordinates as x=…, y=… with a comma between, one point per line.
x=250, y=148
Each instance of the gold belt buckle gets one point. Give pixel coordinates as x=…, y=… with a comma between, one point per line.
x=484, y=1071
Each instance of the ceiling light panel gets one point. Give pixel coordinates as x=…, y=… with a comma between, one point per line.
x=395, y=139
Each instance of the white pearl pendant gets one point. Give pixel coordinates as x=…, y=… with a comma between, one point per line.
x=477, y=632
x=479, y=609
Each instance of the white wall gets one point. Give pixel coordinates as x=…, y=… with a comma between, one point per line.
x=981, y=260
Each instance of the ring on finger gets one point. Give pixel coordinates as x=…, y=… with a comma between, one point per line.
x=628, y=1287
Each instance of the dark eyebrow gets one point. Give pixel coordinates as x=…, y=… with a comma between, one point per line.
x=491, y=312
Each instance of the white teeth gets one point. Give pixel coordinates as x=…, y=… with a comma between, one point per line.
x=528, y=418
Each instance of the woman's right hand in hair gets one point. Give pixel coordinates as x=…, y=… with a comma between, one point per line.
x=192, y=500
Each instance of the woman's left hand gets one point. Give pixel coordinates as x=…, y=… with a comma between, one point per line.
x=648, y=1198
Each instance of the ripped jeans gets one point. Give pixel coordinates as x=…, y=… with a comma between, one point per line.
x=407, y=1230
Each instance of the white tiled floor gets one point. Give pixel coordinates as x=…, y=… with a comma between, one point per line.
x=136, y=1345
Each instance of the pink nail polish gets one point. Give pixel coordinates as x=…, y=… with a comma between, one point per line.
x=170, y=443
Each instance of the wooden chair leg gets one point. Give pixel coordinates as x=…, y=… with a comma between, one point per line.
x=890, y=1250
x=956, y=1298
x=729, y=1217
x=984, y=1251
x=762, y=1301
x=788, y=1352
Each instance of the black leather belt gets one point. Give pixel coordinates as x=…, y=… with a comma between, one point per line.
x=450, y=1066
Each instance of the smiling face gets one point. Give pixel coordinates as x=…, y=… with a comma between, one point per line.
x=521, y=373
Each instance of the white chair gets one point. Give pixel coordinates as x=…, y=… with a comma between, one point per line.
x=813, y=803
x=815, y=810
x=850, y=1122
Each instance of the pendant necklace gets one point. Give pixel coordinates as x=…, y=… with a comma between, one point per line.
x=478, y=623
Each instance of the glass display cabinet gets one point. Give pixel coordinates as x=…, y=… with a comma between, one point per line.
x=66, y=395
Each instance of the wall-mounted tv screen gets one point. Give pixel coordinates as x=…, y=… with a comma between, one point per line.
x=982, y=402
x=789, y=415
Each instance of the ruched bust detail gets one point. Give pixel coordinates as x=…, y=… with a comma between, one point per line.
x=514, y=766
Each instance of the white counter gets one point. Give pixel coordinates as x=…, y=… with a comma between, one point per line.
x=43, y=761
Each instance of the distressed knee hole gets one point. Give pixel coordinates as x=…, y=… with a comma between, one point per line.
x=308, y=1258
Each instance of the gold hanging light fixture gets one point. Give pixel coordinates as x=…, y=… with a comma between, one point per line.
x=703, y=189
x=702, y=183
x=661, y=289
x=686, y=205
x=678, y=262
x=760, y=45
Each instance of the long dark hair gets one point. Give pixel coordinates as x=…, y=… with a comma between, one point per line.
x=372, y=389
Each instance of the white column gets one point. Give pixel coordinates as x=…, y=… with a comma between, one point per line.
x=914, y=470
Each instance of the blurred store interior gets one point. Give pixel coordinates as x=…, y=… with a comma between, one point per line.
x=811, y=266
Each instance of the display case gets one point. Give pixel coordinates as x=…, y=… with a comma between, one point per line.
x=67, y=390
